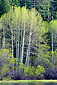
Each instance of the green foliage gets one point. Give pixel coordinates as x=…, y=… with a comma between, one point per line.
x=5, y=55
x=17, y=19
x=29, y=71
x=32, y=71
x=4, y=70
x=41, y=6
x=55, y=58
x=39, y=71
x=14, y=2
x=53, y=24
x=21, y=66
x=6, y=62
x=53, y=27
x=4, y=6
x=45, y=51
x=45, y=63
x=54, y=4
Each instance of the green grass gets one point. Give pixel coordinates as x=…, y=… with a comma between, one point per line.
x=29, y=81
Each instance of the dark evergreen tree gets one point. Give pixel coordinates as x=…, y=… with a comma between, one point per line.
x=14, y=2
x=45, y=7
x=4, y=6
x=54, y=5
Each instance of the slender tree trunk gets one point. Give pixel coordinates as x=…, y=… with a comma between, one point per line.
x=18, y=43
x=12, y=39
x=33, y=3
x=52, y=39
x=48, y=11
x=16, y=49
x=12, y=48
x=3, y=47
x=28, y=50
x=23, y=44
x=52, y=44
x=39, y=50
x=20, y=46
x=19, y=40
x=44, y=19
x=25, y=3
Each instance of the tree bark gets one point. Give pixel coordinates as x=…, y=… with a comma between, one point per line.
x=12, y=48
x=28, y=50
x=23, y=44
x=18, y=43
x=52, y=39
x=3, y=47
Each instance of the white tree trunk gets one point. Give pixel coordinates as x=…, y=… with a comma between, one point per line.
x=12, y=48
x=52, y=39
x=52, y=45
x=16, y=48
x=28, y=50
x=18, y=43
x=23, y=44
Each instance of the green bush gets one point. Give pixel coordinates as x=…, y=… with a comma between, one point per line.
x=29, y=71
x=6, y=63
x=45, y=63
x=39, y=71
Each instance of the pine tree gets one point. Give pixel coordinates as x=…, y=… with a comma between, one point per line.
x=4, y=6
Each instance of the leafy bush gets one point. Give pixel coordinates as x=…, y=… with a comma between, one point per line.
x=51, y=73
x=6, y=63
x=39, y=71
x=45, y=63
x=29, y=71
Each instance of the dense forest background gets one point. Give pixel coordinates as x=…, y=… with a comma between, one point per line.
x=44, y=7
x=28, y=39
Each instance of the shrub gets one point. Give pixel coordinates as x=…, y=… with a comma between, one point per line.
x=6, y=63
x=39, y=72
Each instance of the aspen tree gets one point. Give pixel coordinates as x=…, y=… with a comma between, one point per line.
x=24, y=21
